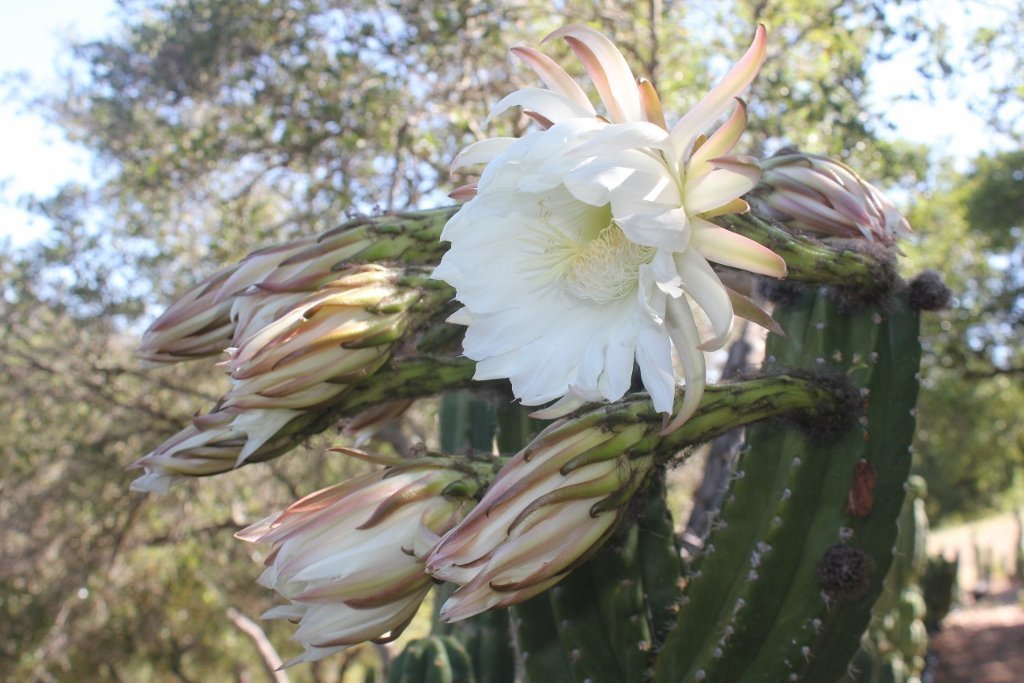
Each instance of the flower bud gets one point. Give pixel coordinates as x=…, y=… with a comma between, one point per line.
x=282, y=373
x=219, y=311
x=826, y=196
x=349, y=558
x=551, y=506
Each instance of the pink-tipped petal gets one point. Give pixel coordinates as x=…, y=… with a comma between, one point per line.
x=608, y=70
x=730, y=249
x=554, y=76
x=699, y=119
x=720, y=143
x=651, y=103
x=463, y=193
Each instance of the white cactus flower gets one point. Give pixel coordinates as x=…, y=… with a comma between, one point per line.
x=586, y=245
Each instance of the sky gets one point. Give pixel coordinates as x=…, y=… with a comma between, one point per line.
x=35, y=158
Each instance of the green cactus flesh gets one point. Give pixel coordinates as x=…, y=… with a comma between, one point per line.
x=755, y=607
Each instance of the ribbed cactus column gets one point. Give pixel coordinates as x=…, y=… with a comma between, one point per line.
x=784, y=588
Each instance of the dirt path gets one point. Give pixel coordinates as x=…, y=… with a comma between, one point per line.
x=983, y=643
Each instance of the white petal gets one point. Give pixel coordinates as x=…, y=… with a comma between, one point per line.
x=654, y=356
x=550, y=105
x=718, y=187
x=703, y=285
x=664, y=229
x=481, y=152
x=685, y=339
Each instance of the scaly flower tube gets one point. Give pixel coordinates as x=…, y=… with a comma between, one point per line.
x=550, y=507
x=827, y=196
x=349, y=558
x=586, y=245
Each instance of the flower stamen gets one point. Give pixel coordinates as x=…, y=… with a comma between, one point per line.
x=606, y=268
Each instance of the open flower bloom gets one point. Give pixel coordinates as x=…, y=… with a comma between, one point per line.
x=586, y=245
x=549, y=508
x=827, y=196
x=349, y=559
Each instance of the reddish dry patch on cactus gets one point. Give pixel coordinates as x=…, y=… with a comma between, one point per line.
x=861, y=497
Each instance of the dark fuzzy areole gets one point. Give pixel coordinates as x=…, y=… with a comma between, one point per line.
x=928, y=292
x=844, y=570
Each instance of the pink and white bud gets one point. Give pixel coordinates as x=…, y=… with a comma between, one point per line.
x=826, y=196
x=305, y=358
x=349, y=559
x=219, y=311
x=549, y=508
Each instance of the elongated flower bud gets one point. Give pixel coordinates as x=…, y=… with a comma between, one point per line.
x=548, y=509
x=293, y=368
x=827, y=196
x=234, y=302
x=349, y=559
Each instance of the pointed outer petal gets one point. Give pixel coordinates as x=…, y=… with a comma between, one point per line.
x=699, y=119
x=481, y=152
x=350, y=626
x=812, y=214
x=730, y=249
x=654, y=356
x=747, y=309
x=649, y=296
x=563, y=406
x=260, y=426
x=667, y=229
x=554, y=77
x=550, y=105
x=607, y=69
x=685, y=339
x=651, y=103
x=616, y=137
x=735, y=206
x=399, y=590
x=703, y=286
x=733, y=177
x=463, y=193
x=719, y=144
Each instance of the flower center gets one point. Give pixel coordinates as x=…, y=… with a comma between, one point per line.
x=605, y=268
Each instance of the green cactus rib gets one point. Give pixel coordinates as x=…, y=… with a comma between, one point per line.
x=434, y=659
x=754, y=607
